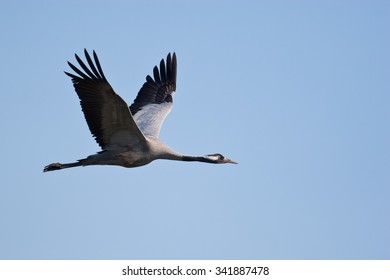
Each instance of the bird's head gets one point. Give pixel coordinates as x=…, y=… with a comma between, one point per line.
x=218, y=158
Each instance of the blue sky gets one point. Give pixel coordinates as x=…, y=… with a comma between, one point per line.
x=296, y=91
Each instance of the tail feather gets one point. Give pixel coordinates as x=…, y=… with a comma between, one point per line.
x=58, y=166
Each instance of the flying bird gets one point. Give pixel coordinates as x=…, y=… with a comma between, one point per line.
x=128, y=136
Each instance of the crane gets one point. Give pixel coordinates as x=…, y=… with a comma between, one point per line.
x=128, y=136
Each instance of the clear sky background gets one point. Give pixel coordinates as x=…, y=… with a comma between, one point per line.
x=298, y=92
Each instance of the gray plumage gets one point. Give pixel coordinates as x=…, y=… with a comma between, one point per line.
x=128, y=136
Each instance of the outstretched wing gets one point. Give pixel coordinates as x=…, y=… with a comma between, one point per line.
x=154, y=100
x=107, y=114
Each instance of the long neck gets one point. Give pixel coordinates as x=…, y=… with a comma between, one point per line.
x=197, y=158
x=165, y=152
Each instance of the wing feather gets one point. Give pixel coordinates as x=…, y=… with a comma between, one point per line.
x=107, y=114
x=154, y=100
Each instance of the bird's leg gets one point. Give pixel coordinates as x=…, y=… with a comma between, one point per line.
x=58, y=166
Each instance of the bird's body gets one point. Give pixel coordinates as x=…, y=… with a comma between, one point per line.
x=127, y=135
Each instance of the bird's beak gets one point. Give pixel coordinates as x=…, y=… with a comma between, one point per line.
x=226, y=160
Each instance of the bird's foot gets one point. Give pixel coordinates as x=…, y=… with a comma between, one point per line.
x=53, y=166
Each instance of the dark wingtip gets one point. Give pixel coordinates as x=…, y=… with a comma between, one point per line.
x=97, y=62
x=156, y=74
x=71, y=75
x=172, y=69
x=174, y=60
x=86, y=52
